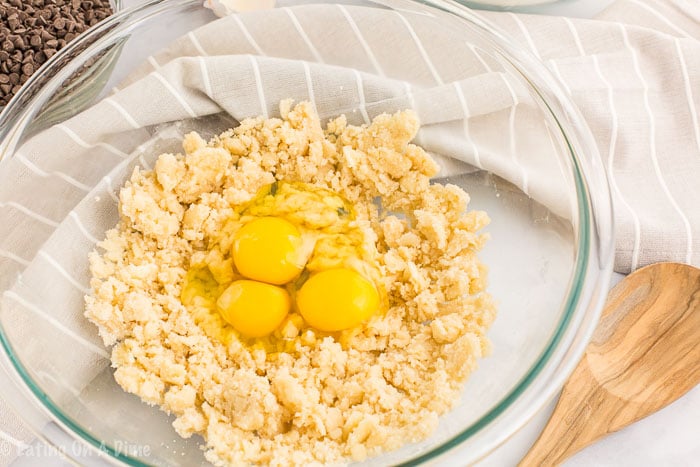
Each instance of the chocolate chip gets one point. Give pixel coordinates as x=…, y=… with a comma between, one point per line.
x=32, y=31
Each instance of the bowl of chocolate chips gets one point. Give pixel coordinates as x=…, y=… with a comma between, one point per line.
x=32, y=31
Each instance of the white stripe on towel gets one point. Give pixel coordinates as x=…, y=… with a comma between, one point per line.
x=304, y=36
x=81, y=142
x=82, y=227
x=421, y=49
x=412, y=102
x=465, y=109
x=175, y=94
x=511, y=126
x=526, y=34
x=688, y=93
x=50, y=319
x=478, y=56
x=575, y=34
x=259, y=86
x=660, y=17
x=363, y=42
x=197, y=45
x=57, y=266
x=42, y=173
x=151, y=59
x=562, y=169
x=361, y=96
x=612, y=148
x=33, y=214
x=14, y=257
x=555, y=68
x=108, y=182
x=309, y=85
x=247, y=35
x=205, y=77
x=652, y=143
x=129, y=119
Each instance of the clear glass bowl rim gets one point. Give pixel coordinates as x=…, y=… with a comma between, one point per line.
x=594, y=253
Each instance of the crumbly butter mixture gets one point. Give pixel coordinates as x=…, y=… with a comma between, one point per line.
x=321, y=400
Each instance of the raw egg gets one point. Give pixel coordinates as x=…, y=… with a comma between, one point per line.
x=268, y=249
x=253, y=308
x=337, y=299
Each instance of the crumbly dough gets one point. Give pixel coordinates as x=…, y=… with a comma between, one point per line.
x=323, y=401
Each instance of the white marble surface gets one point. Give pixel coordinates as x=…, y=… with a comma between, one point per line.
x=670, y=437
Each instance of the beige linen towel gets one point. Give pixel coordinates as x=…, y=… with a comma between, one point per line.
x=634, y=73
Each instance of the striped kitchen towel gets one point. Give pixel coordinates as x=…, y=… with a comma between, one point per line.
x=634, y=73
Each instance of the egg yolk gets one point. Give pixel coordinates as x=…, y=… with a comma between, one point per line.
x=253, y=308
x=268, y=249
x=337, y=299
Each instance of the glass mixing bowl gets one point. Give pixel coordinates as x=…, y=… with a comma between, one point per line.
x=549, y=268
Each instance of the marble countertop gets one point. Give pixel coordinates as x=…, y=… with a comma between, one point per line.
x=666, y=438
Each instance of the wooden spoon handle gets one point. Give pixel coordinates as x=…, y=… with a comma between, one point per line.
x=570, y=429
x=644, y=354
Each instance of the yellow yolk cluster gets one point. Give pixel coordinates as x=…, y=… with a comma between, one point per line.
x=267, y=249
x=254, y=308
x=276, y=266
x=351, y=298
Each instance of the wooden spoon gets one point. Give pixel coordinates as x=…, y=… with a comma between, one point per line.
x=645, y=353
